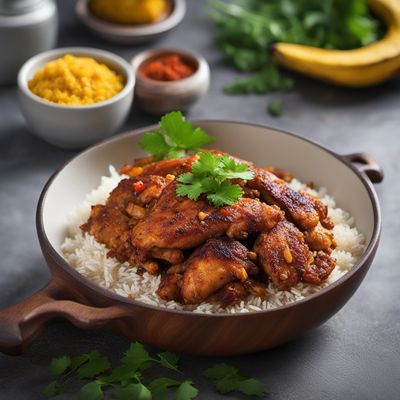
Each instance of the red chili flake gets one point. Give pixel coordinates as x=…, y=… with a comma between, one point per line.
x=138, y=186
x=167, y=68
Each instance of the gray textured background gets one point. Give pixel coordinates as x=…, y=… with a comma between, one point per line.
x=355, y=355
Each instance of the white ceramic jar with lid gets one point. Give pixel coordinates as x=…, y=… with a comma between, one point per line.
x=27, y=27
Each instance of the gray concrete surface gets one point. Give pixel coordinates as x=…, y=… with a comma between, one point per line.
x=355, y=355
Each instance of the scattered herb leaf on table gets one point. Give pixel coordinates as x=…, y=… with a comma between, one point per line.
x=128, y=381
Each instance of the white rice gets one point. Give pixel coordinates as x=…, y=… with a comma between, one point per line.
x=90, y=259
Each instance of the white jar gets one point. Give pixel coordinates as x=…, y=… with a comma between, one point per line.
x=27, y=27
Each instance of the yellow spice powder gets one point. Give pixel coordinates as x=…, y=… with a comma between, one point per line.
x=76, y=81
x=129, y=11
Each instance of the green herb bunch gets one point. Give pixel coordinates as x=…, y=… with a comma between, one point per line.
x=211, y=173
x=245, y=29
x=210, y=176
x=175, y=138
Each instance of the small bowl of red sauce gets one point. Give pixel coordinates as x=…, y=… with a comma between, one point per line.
x=169, y=79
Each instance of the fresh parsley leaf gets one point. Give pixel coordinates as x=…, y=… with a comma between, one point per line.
x=251, y=387
x=186, y=391
x=154, y=143
x=59, y=365
x=175, y=137
x=52, y=389
x=168, y=360
x=159, y=387
x=77, y=361
x=181, y=132
x=210, y=176
x=136, y=391
x=91, y=391
x=121, y=374
x=268, y=79
x=235, y=170
x=192, y=190
x=137, y=357
x=95, y=365
x=208, y=163
x=275, y=108
x=219, y=371
x=226, y=194
x=187, y=177
x=227, y=384
x=175, y=153
x=227, y=379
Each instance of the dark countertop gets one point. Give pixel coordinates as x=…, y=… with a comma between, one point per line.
x=355, y=355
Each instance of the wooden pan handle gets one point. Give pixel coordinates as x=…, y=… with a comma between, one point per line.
x=367, y=164
x=21, y=323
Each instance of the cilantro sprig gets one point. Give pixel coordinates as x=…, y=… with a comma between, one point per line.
x=227, y=379
x=128, y=380
x=175, y=138
x=210, y=176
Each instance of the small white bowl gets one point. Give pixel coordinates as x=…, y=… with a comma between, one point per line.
x=131, y=34
x=160, y=97
x=75, y=126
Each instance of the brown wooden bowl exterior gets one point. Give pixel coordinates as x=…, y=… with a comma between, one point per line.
x=203, y=334
x=71, y=296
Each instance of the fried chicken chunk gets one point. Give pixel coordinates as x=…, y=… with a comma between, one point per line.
x=212, y=266
x=110, y=224
x=301, y=209
x=286, y=258
x=170, y=287
x=320, y=269
x=181, y=223
x=320, y=238
x=283, y=254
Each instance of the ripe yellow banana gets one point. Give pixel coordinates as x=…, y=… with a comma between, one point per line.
x=360, y=67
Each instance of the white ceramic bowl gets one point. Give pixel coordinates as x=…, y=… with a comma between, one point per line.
x=160, y=97
x=131, y=34
x=75, y=126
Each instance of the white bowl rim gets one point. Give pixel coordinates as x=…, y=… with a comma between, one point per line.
x=143, y=56
x=80, y=51
x=131, y=31
x=62, y=263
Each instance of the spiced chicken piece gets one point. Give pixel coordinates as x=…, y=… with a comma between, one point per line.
x=108, y=225
x=319, y=269
x=111, y=223
x=107, y=222
x=232, y=293
x=320, y=238
x=170, y=287
x=300, y=208
x=283, y=254
x=181, y=223
x=286, y=258
x=212, y=266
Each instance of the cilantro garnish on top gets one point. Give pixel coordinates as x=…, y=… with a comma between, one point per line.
x=210, y=176
x=175, y=137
